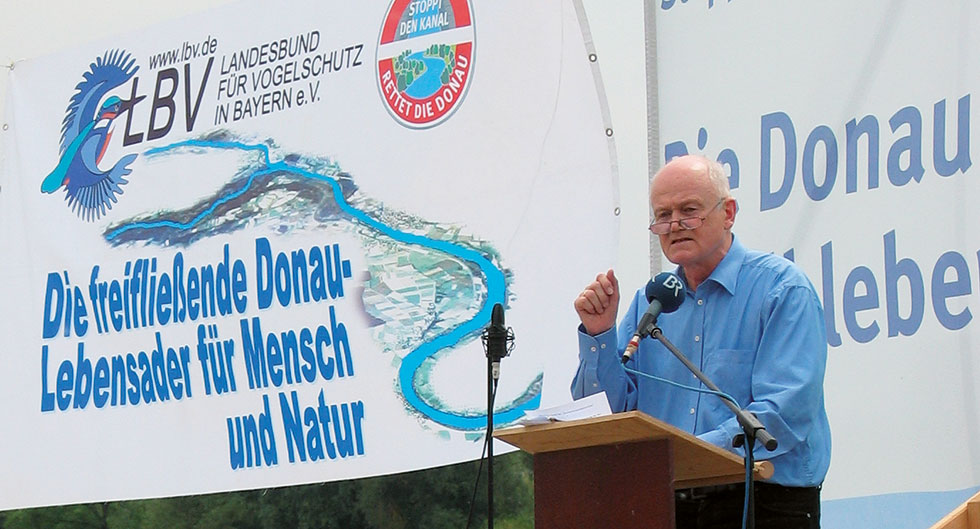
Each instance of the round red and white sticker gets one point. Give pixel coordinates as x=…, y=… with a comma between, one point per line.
x=425, y=59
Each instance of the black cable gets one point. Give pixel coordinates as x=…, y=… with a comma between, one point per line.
x=479, y=472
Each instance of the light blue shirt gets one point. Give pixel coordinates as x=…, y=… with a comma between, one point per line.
x=755, y=327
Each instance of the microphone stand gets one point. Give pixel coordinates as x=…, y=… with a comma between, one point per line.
x=497, y=339
x=491, y=383
x=752, y=428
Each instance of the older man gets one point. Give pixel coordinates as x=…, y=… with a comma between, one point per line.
x=751, y=321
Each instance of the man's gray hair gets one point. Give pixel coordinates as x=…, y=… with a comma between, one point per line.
x=716, y=173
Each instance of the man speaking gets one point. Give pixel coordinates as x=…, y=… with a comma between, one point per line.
x=750, y=321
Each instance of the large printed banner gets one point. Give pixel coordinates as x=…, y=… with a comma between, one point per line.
x=258, y=246
x=847, y=129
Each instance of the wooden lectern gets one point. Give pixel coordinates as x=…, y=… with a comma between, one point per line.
x=618, y=471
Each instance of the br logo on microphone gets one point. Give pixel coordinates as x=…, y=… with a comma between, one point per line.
x=674, y=283
x=425, y=59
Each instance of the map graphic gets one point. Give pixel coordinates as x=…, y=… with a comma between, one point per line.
x=428, y=287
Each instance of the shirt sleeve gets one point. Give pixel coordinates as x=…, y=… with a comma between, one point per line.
x=788, y=372
x=600, y=366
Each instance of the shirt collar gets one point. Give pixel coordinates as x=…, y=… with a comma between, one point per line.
x=726, y=273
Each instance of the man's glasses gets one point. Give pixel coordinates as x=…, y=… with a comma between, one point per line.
x=689, y=223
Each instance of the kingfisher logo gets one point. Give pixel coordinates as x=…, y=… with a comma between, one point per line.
x=425, y=59
x=92, y=184
x=85, y=133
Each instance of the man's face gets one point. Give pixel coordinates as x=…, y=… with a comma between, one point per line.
x=682, y=189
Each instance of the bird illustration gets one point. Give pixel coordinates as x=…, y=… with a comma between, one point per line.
x=85, y=134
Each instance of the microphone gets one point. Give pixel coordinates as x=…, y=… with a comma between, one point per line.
x=497, y=338
x=665, y=292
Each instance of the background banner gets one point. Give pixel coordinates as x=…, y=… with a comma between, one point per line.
x=257, y=246
x=846, y=128
x=286, y=135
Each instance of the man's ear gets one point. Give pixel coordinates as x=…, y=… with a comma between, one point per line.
x=731, y=208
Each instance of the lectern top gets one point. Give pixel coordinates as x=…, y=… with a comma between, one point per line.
x=696, y=462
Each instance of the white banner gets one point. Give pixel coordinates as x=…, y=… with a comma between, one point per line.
x=846, y=128
x=258, y=246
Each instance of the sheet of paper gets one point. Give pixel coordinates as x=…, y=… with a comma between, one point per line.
x=587, y=407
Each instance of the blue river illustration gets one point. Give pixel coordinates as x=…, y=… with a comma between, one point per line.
x=330, y=191
x=431, y=79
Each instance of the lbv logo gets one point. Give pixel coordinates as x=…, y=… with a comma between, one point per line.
x=91, y=183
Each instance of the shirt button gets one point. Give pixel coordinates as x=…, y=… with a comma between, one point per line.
x=593, y=349
x=692, y=411
x=603, y=346
x=595, y=384
x=700, y=302
x=697, y=338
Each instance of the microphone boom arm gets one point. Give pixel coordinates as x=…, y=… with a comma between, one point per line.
x=751, y=425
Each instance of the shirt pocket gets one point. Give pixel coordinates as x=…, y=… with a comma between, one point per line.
x=731, y=371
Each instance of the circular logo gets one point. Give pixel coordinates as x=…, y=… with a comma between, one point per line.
x=425, y=59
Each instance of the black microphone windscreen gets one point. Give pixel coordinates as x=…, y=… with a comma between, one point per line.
x=497, y=316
